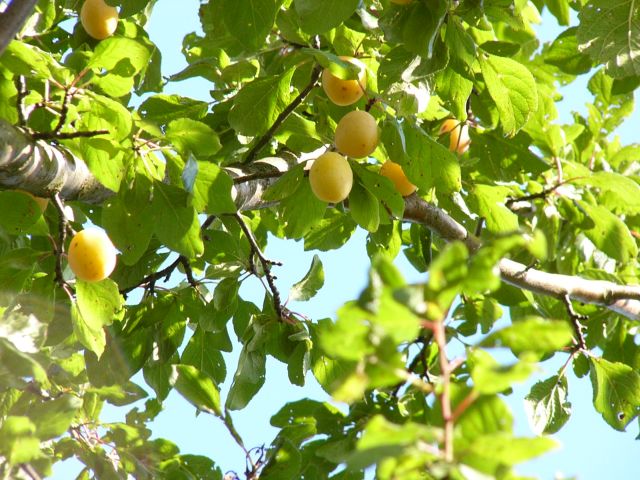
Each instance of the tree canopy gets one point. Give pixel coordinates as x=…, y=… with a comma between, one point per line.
x=514, y=213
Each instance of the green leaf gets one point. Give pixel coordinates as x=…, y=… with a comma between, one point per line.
x=200, y=353
x=564, y=53
x=286, y=185
x=164, y=108
x=313, y=281
x=560, y=10
x=532, y=334
x=197, y=388
x=130, y=225
x=20, y=211
x=364, y=208
x=249, y=21
x=90, y=336
x=421, y=28
x=18, y=442
x=114, y=50
x=283, y=462
x=248, y=379
x=619, y=193
x=191, y=136
x=259, y=103
x=176, y=223
x=491, y=377
x=104, y=158
x=99, y=303
x=24, y=59
x=98, y=112
x=318, y=17
x=333, y=231
x=429, y=164
x=455, y=90
x=504, y=158
x=616, y=391
x=381, y=187
x=52, y=418
x=503, y=449
x=301, y=211
x=547, y=406
x=609, y=32
x=382, y=439
x=212, y=190
x=512, y=88
x=489, y=202
x=609, y=233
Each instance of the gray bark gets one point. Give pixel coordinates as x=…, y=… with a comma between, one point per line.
x=43, y=169
x=12, y=20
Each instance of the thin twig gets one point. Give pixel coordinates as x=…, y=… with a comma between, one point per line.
x=266, y=138
x=53, y=135
x=21, y=87
x=440, y=338
x=266, y=267
x=539, y=195
x=575, y=321
x=64, y=110
x=63, y=228
x=188, y=271
x=152, y=278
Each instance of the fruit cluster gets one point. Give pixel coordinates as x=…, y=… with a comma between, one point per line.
x=357, y=136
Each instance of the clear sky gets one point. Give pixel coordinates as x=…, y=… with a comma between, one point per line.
x=591, y=450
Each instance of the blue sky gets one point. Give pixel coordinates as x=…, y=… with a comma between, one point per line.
x=590, y=450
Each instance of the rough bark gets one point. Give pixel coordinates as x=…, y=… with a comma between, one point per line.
x=43, y=169
x=12, y=20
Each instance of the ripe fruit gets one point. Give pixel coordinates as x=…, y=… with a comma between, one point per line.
x=459, y=135
x=331, y=177
x=92, y=256
x=357, y=134
x=344, y=92
x=98, y=19
x=394, y=172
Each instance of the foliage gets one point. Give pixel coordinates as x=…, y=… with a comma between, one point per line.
x=562, y=198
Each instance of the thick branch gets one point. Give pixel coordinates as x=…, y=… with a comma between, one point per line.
x=12, y=20
x=44, y=170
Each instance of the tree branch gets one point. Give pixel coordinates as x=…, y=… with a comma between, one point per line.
x=43, y=169
x=12, y=20
x=262, y=141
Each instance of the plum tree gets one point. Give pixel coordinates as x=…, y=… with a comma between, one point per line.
x=357, y=134
x=195, y=168
x=395, y=173
x=345, y=92
x=331, y=177
x=91, y=256
x=459, y=139
x=98, y=19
